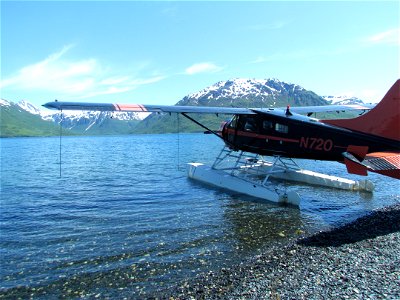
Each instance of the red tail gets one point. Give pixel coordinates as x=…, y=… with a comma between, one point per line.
x=383, y=120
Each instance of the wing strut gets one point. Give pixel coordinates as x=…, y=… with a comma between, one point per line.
x=203, y=126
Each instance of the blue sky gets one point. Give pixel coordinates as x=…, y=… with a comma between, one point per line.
x=158, y=52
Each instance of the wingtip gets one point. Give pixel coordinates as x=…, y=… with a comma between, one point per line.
x=51, y=105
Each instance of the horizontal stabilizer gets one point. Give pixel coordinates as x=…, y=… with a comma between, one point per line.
x=385, y=163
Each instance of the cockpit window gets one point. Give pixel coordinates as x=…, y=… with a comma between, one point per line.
x=233, y=122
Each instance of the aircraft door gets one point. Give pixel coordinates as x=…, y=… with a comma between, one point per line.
x=229, y=132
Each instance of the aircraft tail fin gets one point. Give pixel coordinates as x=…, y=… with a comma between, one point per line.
x=383, y=120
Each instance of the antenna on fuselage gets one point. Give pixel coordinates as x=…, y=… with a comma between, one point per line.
x=288, y=113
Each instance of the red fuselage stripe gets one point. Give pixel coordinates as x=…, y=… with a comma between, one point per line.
x=261, y=136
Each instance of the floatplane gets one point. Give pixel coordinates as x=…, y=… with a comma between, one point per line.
x=367, y=143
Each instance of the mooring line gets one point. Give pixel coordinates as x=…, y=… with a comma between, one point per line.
x=60, y=148
x=179, y=130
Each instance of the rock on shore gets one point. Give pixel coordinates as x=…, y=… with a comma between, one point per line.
x=360, y=260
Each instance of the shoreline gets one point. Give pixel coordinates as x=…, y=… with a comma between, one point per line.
x=358, y=260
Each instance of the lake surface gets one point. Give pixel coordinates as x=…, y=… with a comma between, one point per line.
x=124, y=220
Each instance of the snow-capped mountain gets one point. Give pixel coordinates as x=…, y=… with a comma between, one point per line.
x=260, y=93
x=4, y=103
x=25, y=105
x=76, y=116
x=240, y=92
x=23, y=120
x=241, y=87
x=83, y=121
x=88, y=119
x=257, y=92
x=343, y=100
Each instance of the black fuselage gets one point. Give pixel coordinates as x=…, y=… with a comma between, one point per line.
x=297, y=136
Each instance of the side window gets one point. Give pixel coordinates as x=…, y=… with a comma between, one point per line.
x=281, y=128
x=250, y=125
x=268, y=125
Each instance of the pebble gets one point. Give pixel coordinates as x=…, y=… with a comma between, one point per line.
x=359, y=260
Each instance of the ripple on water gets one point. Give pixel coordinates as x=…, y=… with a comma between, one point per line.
x=123, y=219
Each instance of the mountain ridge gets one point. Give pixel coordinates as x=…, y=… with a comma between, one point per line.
x=259, y=92
x=16, y=121
x=73, y=122
x=238, y=92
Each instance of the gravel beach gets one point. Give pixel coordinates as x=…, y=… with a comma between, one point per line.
x=359, y=260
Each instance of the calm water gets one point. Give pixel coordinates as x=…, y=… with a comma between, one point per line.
x=123, y=218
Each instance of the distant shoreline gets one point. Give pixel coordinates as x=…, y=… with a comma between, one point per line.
x=97, y=135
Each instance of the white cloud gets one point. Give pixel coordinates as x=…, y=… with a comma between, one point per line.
x=391, y=36
x=204, y=67
x=73, y=79
x=141, y=81
x=120, y=85
x=114, y=80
